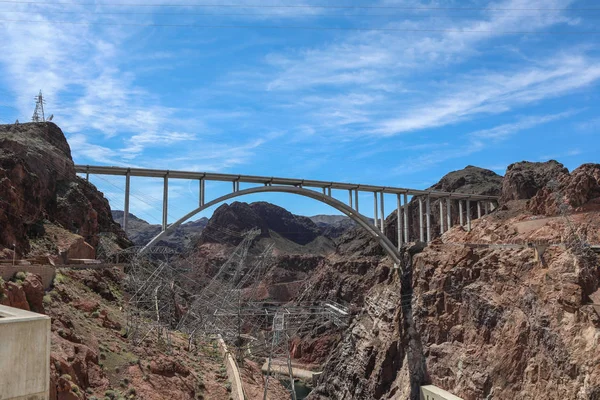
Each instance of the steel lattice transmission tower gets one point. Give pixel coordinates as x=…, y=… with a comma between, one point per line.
x=38, y=114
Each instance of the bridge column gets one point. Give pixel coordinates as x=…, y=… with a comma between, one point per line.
x=350, y=197
x=421, y=227
x=478, y=209
x=468, y=215
x=201, y=192
x=126, y=208
x=165, y=202
x=449, y=212
x=428, y=210
x=399, y=221
x=382, y=227
x=441, y=216
x=486, y=207
x=406, y=235
x=356, y=199
x=324, y=191
x=375, y=212
x=460, y=212
x=329, y=191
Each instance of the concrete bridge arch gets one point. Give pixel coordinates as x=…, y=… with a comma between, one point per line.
x=360, y=219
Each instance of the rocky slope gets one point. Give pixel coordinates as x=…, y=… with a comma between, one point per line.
x=141, y=232
x=92, y=358
x=39, y=188
x=483, y=322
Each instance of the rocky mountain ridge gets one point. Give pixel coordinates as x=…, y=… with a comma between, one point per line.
x=140, y=232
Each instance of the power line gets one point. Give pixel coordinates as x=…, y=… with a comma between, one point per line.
x=272, y=14
x=339, y=7
x=290, y=27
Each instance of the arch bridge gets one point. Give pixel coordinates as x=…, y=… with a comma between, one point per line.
x=317, y=190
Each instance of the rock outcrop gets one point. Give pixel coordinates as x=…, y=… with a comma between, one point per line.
x=38, y=183
x=574, y=192
x=524, y=179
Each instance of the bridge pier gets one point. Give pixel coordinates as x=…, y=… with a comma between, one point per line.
x=375, y=211
x=478, y=209
x=126, y=207
x=350, y=198
x=201, y=192
x=468, y=215
x=449, y=212
x=460, y=213
x=356, y=199
x=382, y=227
x=421, y=227
x=428, y=210
x=399, y=221
x=441, y=216
x=406, y=233
x=165, y=202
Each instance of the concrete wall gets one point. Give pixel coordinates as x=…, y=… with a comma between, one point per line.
x=237, y=389
x=431, y=392
x=47, y=273
x=24, y=355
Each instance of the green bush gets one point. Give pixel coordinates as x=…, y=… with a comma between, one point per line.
x=47, y=300
x=20, y=276
x=2, y=295
x=59, y=278
x=95, y=314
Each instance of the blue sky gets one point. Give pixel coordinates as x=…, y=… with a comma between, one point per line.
x=398, y=94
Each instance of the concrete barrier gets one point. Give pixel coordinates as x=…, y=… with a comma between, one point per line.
x=233, y=372
x=24, y=355
x=431, y=392
x=46, y=272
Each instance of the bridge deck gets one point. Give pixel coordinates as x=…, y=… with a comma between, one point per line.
x=155, y=173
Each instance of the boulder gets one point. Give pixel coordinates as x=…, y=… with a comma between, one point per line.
x=34, y=292
x=14, y=296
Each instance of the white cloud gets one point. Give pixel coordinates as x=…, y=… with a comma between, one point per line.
x=476, y=142
x=502, y=132
x=496, y=93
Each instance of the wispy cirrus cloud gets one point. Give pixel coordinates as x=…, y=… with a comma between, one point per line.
x=477, y=141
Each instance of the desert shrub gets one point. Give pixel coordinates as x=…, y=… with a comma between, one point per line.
x=95, y=314
x=2, y=294
x=59, y=278
x=47, y=300
x=20, y=276
x=131, y=391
